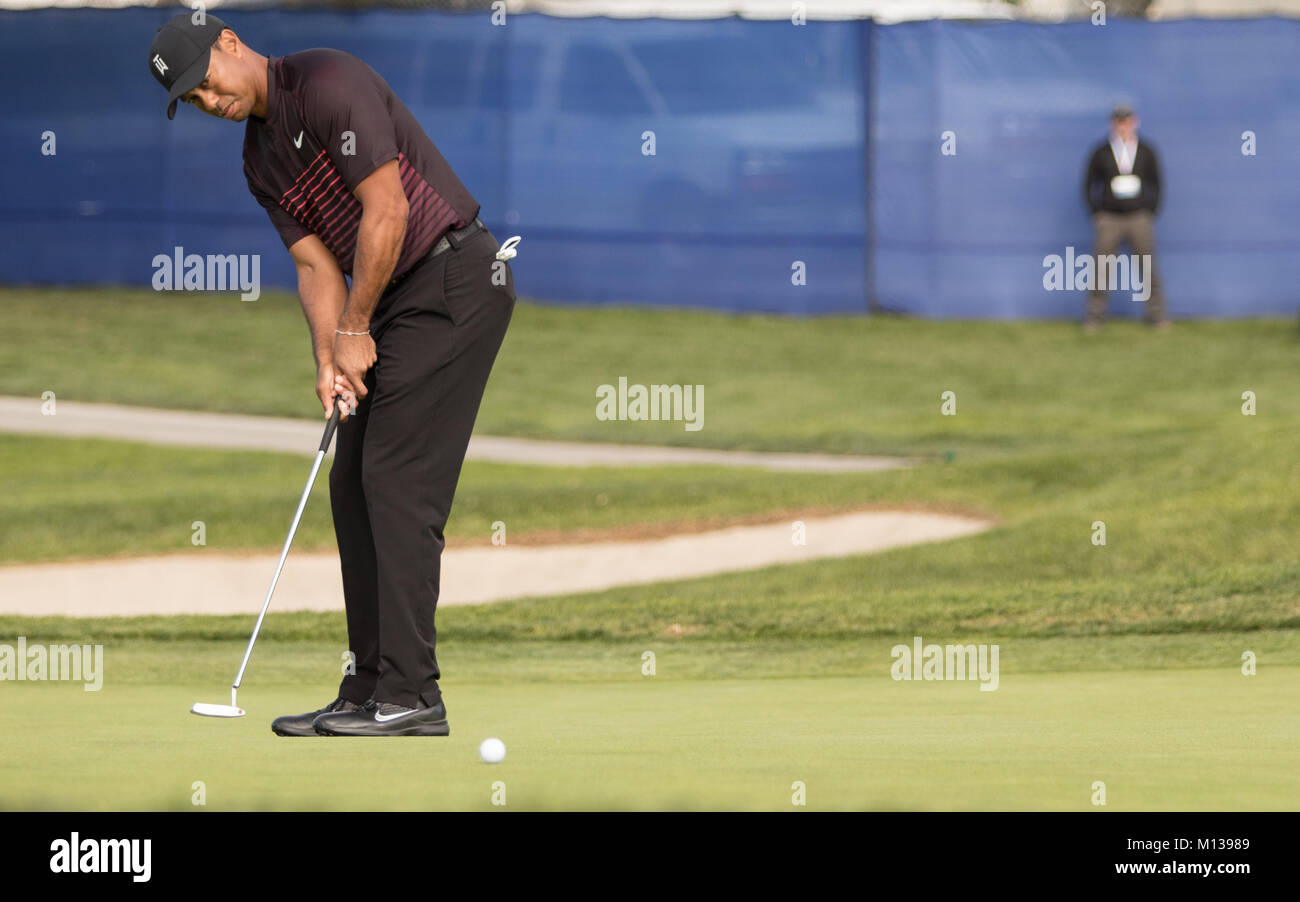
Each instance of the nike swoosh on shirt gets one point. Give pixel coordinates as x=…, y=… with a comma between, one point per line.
x=384, y=718
x=297, y=142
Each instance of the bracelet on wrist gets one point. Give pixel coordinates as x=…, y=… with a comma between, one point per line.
x=343, y=332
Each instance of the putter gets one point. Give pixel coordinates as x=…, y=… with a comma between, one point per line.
x=233, y=710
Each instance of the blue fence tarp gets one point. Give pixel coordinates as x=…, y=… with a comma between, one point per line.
x=965, y=235
x=774, y=145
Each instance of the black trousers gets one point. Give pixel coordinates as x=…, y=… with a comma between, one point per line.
x=398, y=458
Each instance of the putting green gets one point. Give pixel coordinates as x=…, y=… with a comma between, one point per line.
x=1120, y=662
x=1159, y=739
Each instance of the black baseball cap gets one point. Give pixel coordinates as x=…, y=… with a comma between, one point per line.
x=180, y=53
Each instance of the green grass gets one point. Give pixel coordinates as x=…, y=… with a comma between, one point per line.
x=840, y=384
x=85, y=498
x=298, y=649
x=719, y=726
x=1199, y=536
x=1120, y=662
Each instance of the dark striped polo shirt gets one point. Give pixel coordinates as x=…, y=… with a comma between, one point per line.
x=330, y=122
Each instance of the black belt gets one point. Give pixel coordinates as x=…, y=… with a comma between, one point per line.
x=446, y=242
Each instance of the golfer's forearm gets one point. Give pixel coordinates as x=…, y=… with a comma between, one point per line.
x=379, y=244
x=322, y=296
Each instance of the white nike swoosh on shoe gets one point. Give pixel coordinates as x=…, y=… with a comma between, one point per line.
x=384, y=718
x=297, y=142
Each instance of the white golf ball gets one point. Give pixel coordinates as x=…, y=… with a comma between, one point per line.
x=493, y=751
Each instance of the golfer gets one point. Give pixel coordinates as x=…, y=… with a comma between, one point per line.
x=356, y=188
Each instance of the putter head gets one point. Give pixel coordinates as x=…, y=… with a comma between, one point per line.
x=206, y=710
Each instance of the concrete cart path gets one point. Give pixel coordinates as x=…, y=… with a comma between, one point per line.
x=250, y=433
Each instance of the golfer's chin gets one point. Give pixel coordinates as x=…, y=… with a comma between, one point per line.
x=236, y=112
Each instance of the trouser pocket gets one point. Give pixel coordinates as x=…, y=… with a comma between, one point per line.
x=476, y=286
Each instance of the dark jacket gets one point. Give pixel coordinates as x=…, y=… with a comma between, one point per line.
x=1102, y=168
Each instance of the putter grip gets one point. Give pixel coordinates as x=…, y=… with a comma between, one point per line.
x=329, y=429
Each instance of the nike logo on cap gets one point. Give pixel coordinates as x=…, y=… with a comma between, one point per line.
x=297, y=142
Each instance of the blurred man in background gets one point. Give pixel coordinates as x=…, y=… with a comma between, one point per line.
x=1122, y=190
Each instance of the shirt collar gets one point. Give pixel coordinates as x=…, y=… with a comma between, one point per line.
x=272, y=88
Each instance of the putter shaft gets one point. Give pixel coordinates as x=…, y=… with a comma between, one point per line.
x=284, y=553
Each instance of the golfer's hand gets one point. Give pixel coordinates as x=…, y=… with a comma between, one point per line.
x=343, y=391
x=331, y=387
x=325, y=386
x=354, y=355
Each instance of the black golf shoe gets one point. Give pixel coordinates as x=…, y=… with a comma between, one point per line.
x=384, y=719
x=301, y=724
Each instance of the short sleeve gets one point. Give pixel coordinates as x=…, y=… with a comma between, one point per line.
x=346, y=106
x=291, y=230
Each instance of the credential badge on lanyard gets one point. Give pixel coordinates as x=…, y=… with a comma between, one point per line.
x=1125, y=185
